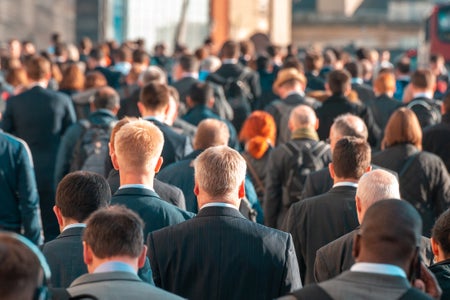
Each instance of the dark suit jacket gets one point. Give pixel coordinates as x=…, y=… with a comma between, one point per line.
x=436, y=139
x=382, y=108
x=65, y=257
x=155, y=212
x=316, y=221
x=128, y=106
x=336, y=257
x=40, y=117
x=221, y=255
x=364, y=91
x=176, y=146
x=183, y=87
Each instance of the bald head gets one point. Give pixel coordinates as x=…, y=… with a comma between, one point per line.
x=302, y=116
x=347, y=125
x=374, y=186
x=390, y=233
x=210, y=133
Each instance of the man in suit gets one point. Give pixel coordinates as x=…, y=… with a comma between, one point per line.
x=19, y=198
x=40, y=117
x=306, y=219
x=386, y=250
x=153, y=105
x=339, y=84
x=185, y=74
x=440, y=242
x=290, y=86
x=137, y=156
x=113, y=250
x=320, y=182
x=364, y=91
x=78, y=195
x=220, y=249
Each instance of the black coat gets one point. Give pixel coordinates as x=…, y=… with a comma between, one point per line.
x=436, y=139
x=382, y=108
x=441, y=271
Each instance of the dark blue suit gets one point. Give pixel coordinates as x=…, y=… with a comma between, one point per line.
x=221, y=255
x=155, y=212
x=40, y=117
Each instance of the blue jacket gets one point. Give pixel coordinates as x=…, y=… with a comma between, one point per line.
x=19, y=198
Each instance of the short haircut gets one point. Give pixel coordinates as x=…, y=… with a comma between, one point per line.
x=188, y=63
x=313, y=61
x=230, y=49
x=140, y=56
x=138, y=145
x=200, y=93
x=219, y=171
x=302, y=116
x=106, y=98
x=153, y=74
x=155, y=96
x=423, y=79
x=377, y=185
x=385, y=82
x=351, y=157
x=338, y=81
x=20, y=271
x=441, y=232
x=273, y=50
x=350, y=125
x=97, y=53
x=124, y=54
x=38, y=67
x=116, y=128
x=114, y=231
x=403, y=127
x=210, y=133
x=403, y=65
x=354, y=68
x=81, y=193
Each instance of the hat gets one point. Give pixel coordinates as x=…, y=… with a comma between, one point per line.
x=288, y=74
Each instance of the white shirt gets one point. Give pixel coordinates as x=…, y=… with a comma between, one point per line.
x=384, y=269
x=219, y=204
x=346, y=183
x=137, y=185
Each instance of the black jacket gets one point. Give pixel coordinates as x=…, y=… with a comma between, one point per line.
x=436, y=139
x=441, y=271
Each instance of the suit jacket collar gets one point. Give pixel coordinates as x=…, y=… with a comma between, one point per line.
x=376, y=279
x=106, y=276
x=294, y=99
x=219, y=211
x=74, y=231
x=136, y=191
x=342, y=189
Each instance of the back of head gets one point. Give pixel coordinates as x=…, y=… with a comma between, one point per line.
x=114, y=231
x=211, y=64
x=211, y=133
x=120, y=124
x=423, y=79
x=347, y=125
x=152, y=74
x=377, y=185
x=155, y=96
x=403, y=127
x=97, y=54
x=228, y=167
x=230, y=49
x=138, y=145
x=354, y=68
x=81, y=193
x=38, y=68
x=200, y=93
x=259, y=123
x=403, y=66
x=302, y=116
x=21, y=272
x=188, y=63
x=139, y=56
x=441, y=232
x=273, y=50
x=338, y=81
x=385, y=83
x=390, y=233
x=351, y=157
x=73, y=78
x=106, y=98
x=95, y=79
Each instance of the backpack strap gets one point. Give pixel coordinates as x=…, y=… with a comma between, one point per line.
x=254, y=174
x=312, y=291
x=433, y=111
x=407, y=164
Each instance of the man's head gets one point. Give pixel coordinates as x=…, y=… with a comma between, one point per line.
x=219, y=176
x=440, y=237
x=152, y=74
x=390, y=233
x=385, y=84
x=78, y=195
x=200, y=94
x=289, y=80
x=137, y=148
x=38, y=69
x=21, y=274
x=114, y=233
x=154, y=99
x=211, y=133
x=230, y=50
x=303, y=116
x=354, y=68
x=423, y=80
x=186, y=64
x=374, y=186
x=107, y=98
x=339, y=82
x=347, y=125
x=351, y=159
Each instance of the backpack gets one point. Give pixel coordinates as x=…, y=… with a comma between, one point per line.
x=91, y=148
x=307, y=160
x=427, y=113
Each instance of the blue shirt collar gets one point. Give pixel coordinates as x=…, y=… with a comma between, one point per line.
x=114, y=266
x=385, y=269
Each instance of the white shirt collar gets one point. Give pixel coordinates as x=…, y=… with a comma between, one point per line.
x=137, y=185
x=219, y=204
x=187, y=74
x=301, y=93
x=423, y=95
x=385, y=269
x=74, y=225
x=229, y=61
x=346, y=183
x=42, y=84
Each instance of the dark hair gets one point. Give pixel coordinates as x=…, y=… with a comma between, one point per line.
x=230, y=49
x=441, y=232
x=403, y=65
x=106, y=98
x=293, y=62
x=188, y=63
x=423, y=78
x=123, y=54
x=262, y=63
x=38, y=67
x=140, y=56
x=354, y=68
x=114, y=231
x=155, y=96
x=81, y=193
x=362, y=53
x=351, y=157
x=200, y=93
x=313, y=61
x=97, y=53
x=273, y=50
x=338, y=81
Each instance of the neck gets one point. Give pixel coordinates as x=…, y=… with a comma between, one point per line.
x=337, y=180
x=155, y=114
x=96, y=262
x=66, y=222
x=132, y=177
x=202, y=200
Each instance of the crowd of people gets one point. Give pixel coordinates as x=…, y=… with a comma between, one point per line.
x=318, y=174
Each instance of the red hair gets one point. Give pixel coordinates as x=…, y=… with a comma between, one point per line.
x=258, y=133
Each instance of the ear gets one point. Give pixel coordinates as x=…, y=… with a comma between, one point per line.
x=210, y=102
x=358, y=209
x=356, y=248
x=331, y=170
x=158, y=164
x=317, y=124
x=369, y=168
x=434, y=247
x=327, y=87
x=87, y=254
x=114, y=159
x=189, y=102
x=141, y=108
x=242, y=190
x=196, y=189
x=58, y=215
x=142, y=257
x=290, y=125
